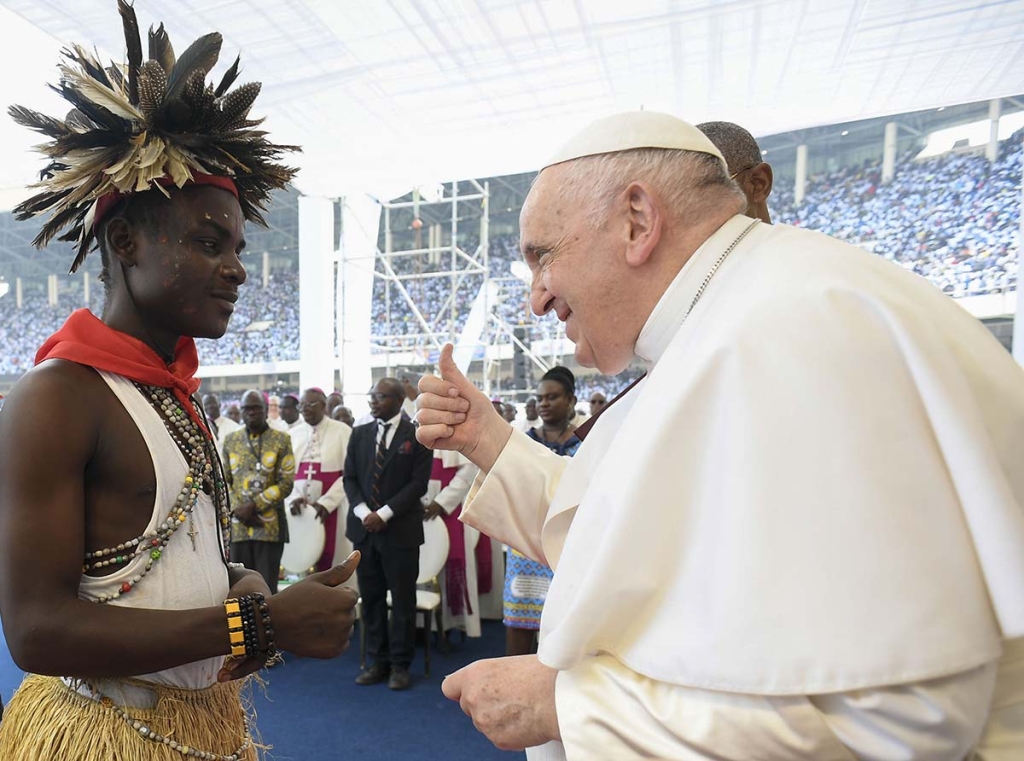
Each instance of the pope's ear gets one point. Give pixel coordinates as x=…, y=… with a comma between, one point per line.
x=117, y=236
x=645, y=223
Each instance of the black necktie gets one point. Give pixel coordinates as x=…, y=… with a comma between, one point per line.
x=378, y=464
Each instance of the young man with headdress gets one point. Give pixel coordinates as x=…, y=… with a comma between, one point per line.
x=116, y=592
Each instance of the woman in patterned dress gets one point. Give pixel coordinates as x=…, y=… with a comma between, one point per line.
x=526, y=580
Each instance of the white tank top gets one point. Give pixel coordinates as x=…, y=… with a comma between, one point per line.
x=182, y=578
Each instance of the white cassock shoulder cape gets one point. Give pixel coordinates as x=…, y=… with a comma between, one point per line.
x=334, y=438
x=817, y=488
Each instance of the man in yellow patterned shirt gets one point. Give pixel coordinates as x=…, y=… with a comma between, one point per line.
x=260, y=470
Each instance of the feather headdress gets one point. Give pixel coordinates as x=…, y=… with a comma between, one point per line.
x=144, y=125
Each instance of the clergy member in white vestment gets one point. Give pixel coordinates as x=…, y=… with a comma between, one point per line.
x=320, y=445
x=801, y=536
x=450, y=479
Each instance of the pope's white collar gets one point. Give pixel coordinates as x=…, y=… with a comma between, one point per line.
x=671, y=309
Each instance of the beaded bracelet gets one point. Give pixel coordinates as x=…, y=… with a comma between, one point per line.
x=233, y=609
x=242, y=627
x=246, y=615
x=268, y=628
x=249, y=626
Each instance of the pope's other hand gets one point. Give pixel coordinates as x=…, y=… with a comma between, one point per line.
x=510, y=700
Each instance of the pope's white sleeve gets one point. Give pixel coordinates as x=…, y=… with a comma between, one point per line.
x=511, y=503
x=454, y=494
x=605, y=710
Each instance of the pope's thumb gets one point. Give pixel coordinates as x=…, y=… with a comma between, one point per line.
x=451, y=686
x=449, y=370
x=340, y=573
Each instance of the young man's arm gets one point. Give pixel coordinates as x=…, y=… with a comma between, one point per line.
x=49, y=630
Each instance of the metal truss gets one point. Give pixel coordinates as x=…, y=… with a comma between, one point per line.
x=405, y=272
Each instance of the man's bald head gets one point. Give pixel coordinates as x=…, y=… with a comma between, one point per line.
x=255, y=398
x=738, y=146
x=743, y=156
x=343, y=414
x=254, y=411
x=391, y=386
x=386, y=398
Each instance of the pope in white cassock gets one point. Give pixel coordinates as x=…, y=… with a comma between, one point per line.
x=801, y=536
x=320, y=445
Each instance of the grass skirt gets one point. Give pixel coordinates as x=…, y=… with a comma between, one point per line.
x=48, y=721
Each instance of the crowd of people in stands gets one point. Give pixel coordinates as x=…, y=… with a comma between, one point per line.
x=264, y=327
x=953, y=219
x=22, y=331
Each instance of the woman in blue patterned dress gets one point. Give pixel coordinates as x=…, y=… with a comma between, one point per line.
x=527, y=581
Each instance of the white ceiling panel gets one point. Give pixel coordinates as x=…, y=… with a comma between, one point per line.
x=383, y=94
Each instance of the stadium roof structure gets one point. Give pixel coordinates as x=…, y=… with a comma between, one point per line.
x=389, y=94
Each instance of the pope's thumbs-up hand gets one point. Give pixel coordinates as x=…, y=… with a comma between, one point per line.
x=455, y=414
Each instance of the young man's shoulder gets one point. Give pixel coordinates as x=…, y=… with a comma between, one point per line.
x=59, y=383
x=57, y=395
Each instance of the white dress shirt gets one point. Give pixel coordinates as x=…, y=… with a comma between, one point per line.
x=384, y=511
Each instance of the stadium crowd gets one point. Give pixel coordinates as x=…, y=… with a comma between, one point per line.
x=22, y=331
x=264, y=327
x=952, y=218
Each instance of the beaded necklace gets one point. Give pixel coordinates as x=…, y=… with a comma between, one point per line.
x=200, y=452
x=152, y=735
x=204, y=473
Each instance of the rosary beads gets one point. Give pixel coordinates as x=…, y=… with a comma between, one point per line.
x=197, y=450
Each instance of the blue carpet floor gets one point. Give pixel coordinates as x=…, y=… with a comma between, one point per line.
x=314, y=710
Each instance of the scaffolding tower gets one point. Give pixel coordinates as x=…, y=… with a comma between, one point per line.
x=408, y=274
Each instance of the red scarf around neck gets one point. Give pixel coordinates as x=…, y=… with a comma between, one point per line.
x=87, y=340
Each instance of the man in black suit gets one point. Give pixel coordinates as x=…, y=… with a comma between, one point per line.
x=386, y=473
